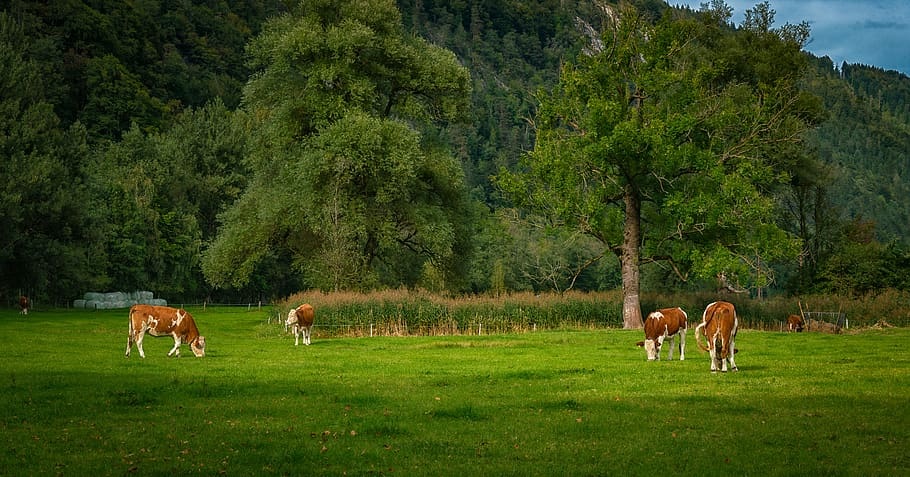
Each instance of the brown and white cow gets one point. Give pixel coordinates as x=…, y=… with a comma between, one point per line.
x=660, y=325
x=718, y=325
x=23, y=305
x=301, y=321
x=164, y=321
x=794, y=323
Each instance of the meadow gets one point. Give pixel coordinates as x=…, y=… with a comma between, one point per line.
x=561, y=401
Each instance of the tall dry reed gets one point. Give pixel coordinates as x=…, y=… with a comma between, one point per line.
x=402, y=312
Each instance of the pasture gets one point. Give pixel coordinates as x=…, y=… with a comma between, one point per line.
x=558, y=402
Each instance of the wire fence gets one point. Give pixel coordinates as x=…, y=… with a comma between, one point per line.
x=249, y=306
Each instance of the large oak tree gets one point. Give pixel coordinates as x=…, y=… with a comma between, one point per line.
x=666, y=140
x=346, y=181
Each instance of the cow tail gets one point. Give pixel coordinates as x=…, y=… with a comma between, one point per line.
x=129, y=338
x=701, y=346
x=707, y=319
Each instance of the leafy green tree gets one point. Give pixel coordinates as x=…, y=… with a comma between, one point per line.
x=160, y=194
x=205, y=148
x=145, y=59
x=47, y=247
x=343, y=179
x=116, y=99
x=665, y=152
x=860, y=264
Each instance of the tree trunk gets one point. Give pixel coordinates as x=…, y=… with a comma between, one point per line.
x=629, y=260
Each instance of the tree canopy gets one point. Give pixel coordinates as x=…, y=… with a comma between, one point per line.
x=343, y=178
x=665, y=152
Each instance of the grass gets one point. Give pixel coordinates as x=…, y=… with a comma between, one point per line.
x=546, y=403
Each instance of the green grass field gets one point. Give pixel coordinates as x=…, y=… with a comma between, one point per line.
x=545, y=403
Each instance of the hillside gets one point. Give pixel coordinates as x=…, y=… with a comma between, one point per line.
x=137, y=107
x=514, y=49
x=866, y=143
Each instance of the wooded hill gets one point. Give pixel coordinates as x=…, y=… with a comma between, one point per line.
x=141, y=143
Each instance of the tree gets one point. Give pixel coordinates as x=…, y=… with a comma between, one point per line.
x=116, y=99
x=49, y=238
x=861, y=265
x=344, y=181
x=160, y=194
x=666, y=152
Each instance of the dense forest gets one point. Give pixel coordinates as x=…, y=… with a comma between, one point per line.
x=237, y=149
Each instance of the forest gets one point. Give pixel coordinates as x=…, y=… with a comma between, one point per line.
x=234, y=150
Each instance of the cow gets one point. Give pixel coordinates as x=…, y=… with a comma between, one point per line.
x=301, y=321
x=794, y=323
x=23, y=305
x=718, y=325
x=164, y=321
x=660, y=325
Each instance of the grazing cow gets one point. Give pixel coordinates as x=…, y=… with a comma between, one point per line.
x=164, y=321
x=660, y=325
x=718, y=325
x=301, y=321
x=794, y=323
x=23, y=305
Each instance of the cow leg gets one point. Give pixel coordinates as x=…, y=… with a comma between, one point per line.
x=133, y=337
x=306, y=335
x=129, y=341
x=176, y=350
x=682, y=344
x=140, y=335
x=726, y=354
x=713, y=351
x=296, y=331
x=731, y=353
x=670, y=351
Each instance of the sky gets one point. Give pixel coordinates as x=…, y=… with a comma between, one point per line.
x=870, y=32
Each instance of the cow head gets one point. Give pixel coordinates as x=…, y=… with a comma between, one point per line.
x=652, y=347
x=292, y=319
x=198, y=346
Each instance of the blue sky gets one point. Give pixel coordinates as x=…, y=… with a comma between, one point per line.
x=871, y=32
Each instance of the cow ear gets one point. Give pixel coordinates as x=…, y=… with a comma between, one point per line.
x=640, y=344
